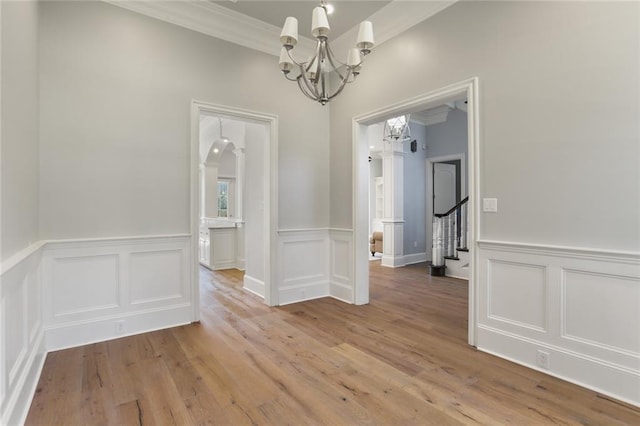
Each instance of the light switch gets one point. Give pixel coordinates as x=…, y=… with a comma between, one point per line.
x=490, y=205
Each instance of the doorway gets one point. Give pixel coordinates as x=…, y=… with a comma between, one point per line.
x=467, y=89
x=452, y=171
x=258, y=203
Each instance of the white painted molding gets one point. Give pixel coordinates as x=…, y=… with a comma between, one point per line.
x=432, y=116
x=253, y=285
x=410, y=259
x=16, y=408
x=580, y=305
x=360, y=177
x=270, y=188
x=141, y=284
x=218, y=21
x=20, y=256
x=391, y=20
x=553, y=250
x=610, y=379
x=226, y=24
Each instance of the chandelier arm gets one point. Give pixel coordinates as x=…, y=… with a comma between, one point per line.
x=292, y=58
x=331, y=57
x=290, y=78
x=305, y=90
x=311, y=87
x=343, y=83
x=313, y=58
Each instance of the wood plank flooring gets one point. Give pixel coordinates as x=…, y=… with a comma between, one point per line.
x=401, y=360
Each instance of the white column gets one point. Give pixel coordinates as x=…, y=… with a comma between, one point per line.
x=240, y=176
x=240, y=235
x=210, y=191
x=393, y=211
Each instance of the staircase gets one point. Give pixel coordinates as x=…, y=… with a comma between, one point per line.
x=458, y=266
x=450, y=254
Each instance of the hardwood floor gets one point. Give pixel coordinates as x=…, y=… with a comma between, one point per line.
x=401, y=360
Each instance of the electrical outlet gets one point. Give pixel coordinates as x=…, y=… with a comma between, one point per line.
x=120, y=327
x=415, y=244
x=543, y=359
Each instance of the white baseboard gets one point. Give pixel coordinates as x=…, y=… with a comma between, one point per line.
x=253, y=285
x=300, y=293
x=103, y=329
x=578, y=305
x=22, y=343
x=410, y=259
x=17, y=406
x=392, y=262
x=341, y=292
x=598, y=375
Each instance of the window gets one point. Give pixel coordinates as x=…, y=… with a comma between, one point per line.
x=223, y=198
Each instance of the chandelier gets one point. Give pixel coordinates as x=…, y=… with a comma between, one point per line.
x=397, y=129
x=314, y=75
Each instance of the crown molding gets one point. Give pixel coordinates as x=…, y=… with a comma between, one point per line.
x=226, y=24
x=217, y=21
x=393, y=19
x=432, y=116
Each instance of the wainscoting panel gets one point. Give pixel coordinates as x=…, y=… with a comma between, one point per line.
x=341, y=264
x=96, y=290
x=84, y=284
x=581, y=307
x=303, y=272
x=22, y=349
x=595, y=305
x=156, y=276
x=517, y=294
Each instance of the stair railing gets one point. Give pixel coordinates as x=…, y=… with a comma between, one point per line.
x=450, y=232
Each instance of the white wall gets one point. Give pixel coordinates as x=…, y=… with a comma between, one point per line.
x=558, y=148
x=116, y=89
x=556, y=100
x=19, y=149
x=22, y=348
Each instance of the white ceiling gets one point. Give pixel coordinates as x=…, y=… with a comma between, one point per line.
x=347, y=13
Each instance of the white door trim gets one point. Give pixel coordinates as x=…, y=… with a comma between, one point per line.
x=270, y=180
x=429, y=186
x=360, y=152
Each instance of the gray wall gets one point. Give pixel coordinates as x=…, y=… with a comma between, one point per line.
x=558, y=114
x=115, y=122
x=19, y=149
x=415, y=194
x=449, y=137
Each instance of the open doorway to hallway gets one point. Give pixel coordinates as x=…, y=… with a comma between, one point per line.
x=394, y=186
x=411, y=180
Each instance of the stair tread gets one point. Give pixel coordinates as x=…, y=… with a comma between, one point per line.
x=462, y=249
x=451, y=258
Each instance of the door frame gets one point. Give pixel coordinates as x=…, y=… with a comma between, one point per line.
x=270, y=182
x=360, y=149
x=429, y=186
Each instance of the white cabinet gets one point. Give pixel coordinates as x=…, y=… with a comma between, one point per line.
x=217, y=247
x=204, y=242
x=223, y=248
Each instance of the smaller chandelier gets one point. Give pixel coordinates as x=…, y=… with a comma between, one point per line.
x=397, y=129
x=314, y=74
